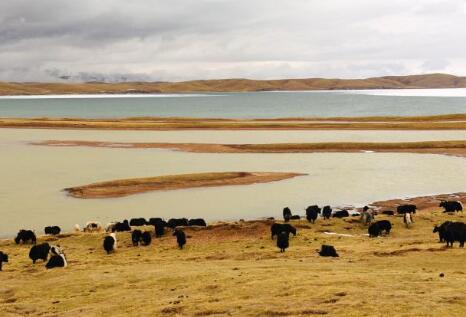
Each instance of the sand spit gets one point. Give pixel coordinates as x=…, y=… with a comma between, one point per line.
x=440, y=122
x=456, y=148
x=126, y=187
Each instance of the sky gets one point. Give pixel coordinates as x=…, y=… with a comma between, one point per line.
x=176, y=40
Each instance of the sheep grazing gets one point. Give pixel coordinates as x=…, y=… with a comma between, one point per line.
x=407, y=219
x=312, y=212
x=197, y=222
x=24, y=236
x=180, y=238
x=39, y=252
x=110, y=243
x=286, y=214
x=93, y=226
x=3, y=258
x=136, y=237
x=52, y=230
x=57, y=259
x=283, y=241
x=441, y=230
x=328, y=250
x=137, y=222
x=276, y=228
x=146, y=238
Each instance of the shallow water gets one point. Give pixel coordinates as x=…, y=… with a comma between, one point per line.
x=33, y=177
x=242, y=105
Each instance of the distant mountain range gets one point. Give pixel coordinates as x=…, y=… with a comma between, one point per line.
x=236, y=85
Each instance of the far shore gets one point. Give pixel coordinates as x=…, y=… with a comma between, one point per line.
x=454, y=148
x=126, y=187
x=437, y=122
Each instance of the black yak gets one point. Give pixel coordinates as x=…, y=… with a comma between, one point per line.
x=328, y=250
x=3, y=258
x=374, y=230
x=57, y=260
x=52, y=230
x=276, y=228
x=327, y=212
x=146, y=238
x=282, y=241
x=137, y=222
x=312, y=212
x=402, y=209
x=180, y=238
x=197, y=222
x=384, y=225
x=136, y=237
x=388, y=212
x=286, y=214
x=441, y=230
x=455, y=231
x=39, y=251
x=110, y=243
x=451, y=206
x=177, y=222
x=341, y=214
x=25, y=236
x=121, y=226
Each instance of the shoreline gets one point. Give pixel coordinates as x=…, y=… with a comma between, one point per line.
x=453, y=148
x=437, y=122
x=127, y=187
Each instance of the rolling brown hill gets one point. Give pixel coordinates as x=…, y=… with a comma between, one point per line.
x=236, y=85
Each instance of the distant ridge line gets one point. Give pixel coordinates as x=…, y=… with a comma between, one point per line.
x=427, y=81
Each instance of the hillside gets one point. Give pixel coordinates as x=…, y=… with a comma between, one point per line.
x=237, y=85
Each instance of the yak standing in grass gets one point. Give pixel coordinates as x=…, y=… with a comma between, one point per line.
x=26, y=235
x=312, y=212
x=276, y=228
x=451, y=206
x=402, y=209
x=146, y=238
x=180, y=238
x=283, y=241
x=110, y=243
x=286, y=214
x=52, y=230
x=39, y=252
x=328, y=250
x=136, y=237
x=327, y=212
x=441, y=230
x=57, y=258
x=3, y=258
x=455, y=231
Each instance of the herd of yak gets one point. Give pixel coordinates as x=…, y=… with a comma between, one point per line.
x=448, y=231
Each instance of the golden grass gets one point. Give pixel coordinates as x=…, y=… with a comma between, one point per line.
x=235, y=269
x=447, y=122
x=236, y=85
x=126, y=187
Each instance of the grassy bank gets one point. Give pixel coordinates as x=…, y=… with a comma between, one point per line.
x=235, y=269
x=126, y=187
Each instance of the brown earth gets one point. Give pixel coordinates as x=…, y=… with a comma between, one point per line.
x=126, y=187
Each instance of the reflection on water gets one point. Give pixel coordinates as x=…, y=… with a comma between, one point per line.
x=33, y=176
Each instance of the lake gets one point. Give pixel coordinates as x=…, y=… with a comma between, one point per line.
x=242, y=105
x=33, y=176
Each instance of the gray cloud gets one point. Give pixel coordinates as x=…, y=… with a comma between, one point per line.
x=190, y=39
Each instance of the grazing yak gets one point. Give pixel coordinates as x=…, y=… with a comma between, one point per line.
x=159, y=231
x=24, y=236
x=93, y=226
x=158, y=222
x=180, y=238
x=287, y=214
x=52, y=230
x=282, y=241
x=137, y=222
x=39, y=252
x=451, y=206
x=378, y=227
x=110, y=243
x=407, y=219
x=455, y=231
x=341, y=214
x=136, y=237
x=295, y=217
x=312, y=212
x=57, y=258
x=3, y=258
x=177, y=222
x=146, y=238
x=327, y=212
x=441, y=230
x=197, y=222
x=402, y=209
x=121, y=226
x=276, y=228
x=328, y=250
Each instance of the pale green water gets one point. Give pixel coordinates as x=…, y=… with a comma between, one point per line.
x=33, y=177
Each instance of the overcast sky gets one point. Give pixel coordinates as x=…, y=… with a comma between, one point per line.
x=203, y=39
